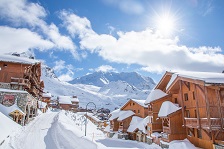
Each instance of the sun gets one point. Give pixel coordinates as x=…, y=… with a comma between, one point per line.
x=165, y=24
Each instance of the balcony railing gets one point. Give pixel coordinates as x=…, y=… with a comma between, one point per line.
x=215, y=123
x=166, y=129
x=20, y=81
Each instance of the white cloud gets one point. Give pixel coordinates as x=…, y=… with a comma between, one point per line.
x=147, y=48
x=21, y=12
x=21, y=39
x=105, y=68
x=59, y=66
x=66, y=77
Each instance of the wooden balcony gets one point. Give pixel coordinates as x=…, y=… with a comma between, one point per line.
x=166, y=129
x=215, y=123
x=20, y=81
x=150, y=113
x=34, y=91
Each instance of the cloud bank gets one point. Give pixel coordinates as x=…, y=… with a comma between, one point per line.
x=147, y=48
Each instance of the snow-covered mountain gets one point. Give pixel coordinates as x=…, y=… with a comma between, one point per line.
x=103, y=78
x=106, y=90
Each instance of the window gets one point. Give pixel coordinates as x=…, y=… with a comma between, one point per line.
x=199, y=133
x=186, y=97
x=187, y=113
x=5, y=65
x=175, y=100
x=130, y=104
x=193, y=95
x=133, y=104
x=134, y=111
x=138, y=111
x=195, y=113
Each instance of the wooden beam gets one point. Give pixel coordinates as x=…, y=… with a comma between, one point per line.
x=197, y=107
x=182, y=102
x=219, y=107
x=207, y=107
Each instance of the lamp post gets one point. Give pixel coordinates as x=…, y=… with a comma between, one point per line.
x=86, y=115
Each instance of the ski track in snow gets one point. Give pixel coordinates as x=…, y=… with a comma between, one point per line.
x=34, y=133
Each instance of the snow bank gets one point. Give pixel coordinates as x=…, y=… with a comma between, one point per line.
x=154, y=95
x=64, y=134
x=7, y=110
x=7, y=127
x=167, y=108
x=181, y=144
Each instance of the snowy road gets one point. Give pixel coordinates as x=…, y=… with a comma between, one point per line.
x=64, y=130
x=33, y=134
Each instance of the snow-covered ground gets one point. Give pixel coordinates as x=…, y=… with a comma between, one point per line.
x=63, y=130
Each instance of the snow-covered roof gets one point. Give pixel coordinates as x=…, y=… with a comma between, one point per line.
x=7, y=110
x=46, y=94
x=94, y=117
x=125, y=114
x=167, y=108
x=74, y=99
x=41, y=105
x=64, y=99
x=121, y=115
x=138, y=123
x=140, y=102
x=17, y=59
x=12, y=91
x=207, y=77
x=154, y=95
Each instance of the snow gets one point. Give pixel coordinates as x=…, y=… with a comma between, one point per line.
x=167, y=108
x=17, y=59
x=74, y=99
x=183, y=144
x=207, y=77
x=64, y=99
x=65, y=130
x=12, y=91
x=125, y=114
x=107, y=128
x=122, y=86
x=7, y=110
x=7, y=127
x=120, y=115
x=46, y=94
x=138, y=123
x=154, y=95
x=156, y=134
x=41, y=105
x=140, y=102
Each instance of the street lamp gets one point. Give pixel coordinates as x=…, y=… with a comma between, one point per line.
x=86, y=114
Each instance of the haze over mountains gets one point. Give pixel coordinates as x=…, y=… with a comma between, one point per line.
x=105, y=89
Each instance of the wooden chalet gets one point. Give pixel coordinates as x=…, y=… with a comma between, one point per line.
x=120, y=119
x=75, y=103
x=201, y=96
x=21, y=74
x=46, y=97
x=154, y=102
x=64, y=102
x=171, y=116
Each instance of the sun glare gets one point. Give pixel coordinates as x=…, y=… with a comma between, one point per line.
x=165, y=24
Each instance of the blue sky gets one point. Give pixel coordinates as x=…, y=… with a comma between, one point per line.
x=76, y=37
